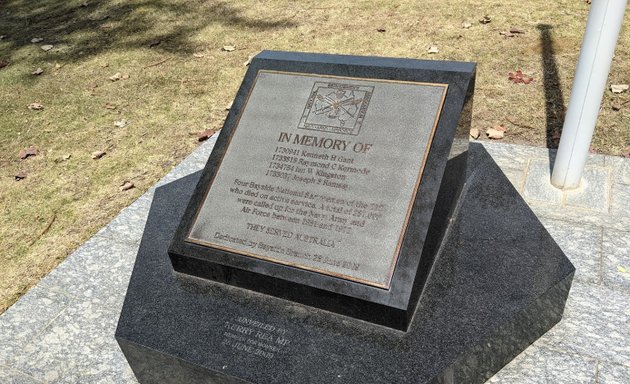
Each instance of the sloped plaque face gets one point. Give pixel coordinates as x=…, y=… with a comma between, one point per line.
x=321, y=173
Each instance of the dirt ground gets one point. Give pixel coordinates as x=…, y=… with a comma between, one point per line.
x=138, y=79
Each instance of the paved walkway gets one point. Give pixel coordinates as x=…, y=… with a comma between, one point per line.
x=62, y=330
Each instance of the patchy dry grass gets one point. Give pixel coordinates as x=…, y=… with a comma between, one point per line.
x=173, y=92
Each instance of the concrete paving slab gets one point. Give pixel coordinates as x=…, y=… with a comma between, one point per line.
x=537, y=185
x=613, y=374
x=616, y=263
x=28, y=317
x=583, y=246
x=12, y=376
x=593, y=192
x=98, y=270
x=596, y=324
x=541, y=365
x=77, y=347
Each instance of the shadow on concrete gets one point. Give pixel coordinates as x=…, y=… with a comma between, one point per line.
x=85, y=28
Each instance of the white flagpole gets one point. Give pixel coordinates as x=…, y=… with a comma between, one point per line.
x=598, y=47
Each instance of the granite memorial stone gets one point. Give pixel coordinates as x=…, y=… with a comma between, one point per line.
x=341, y=237
x=329, y=169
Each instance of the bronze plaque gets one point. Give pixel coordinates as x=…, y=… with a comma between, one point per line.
x=321, y=173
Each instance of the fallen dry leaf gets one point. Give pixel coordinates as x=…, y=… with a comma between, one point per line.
x=20, y=175
x=518, y=77
x=466, y=25
x=198, y=55
x=47, y=47
x=98, y=154
x=228, y=48
x=127, y=185
x=381, y=29
x=29, y=151
x=516, y=30
x=35, y=106
x=154, y=43
x=433, y=49
x=474, y=133
x=500, y=128
x=36, y=40
x=495, y=134
x=66, y=157
x=616, y=107
x=110, y=106
x=506, y=34
x=37, y=72
x=205, y=135
x=58, y=66
x=619, y=88
x=125, y=76
x=121, y=123
x=3, y=63
x=116, y=76
x=485, y=20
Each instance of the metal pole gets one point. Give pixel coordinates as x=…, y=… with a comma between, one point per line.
x=598, y=47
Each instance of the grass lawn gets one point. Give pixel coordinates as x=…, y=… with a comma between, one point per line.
x=175, y=81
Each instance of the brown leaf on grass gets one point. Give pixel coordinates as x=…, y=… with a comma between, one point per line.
x=35, y=106
x=205, y=135
x=20, y=176
x=98, y=154
x=228, y=48
x=116, y=76
x=198, y=55
x=495, y=134
x=466, y=25
x=35, y=40
x=125, y=76
x=29, y=151
x=433, y=49
x=506, y=34
x=154, y=43
x=485, y=20
x=474, y=133
x=4, y=63
x=516, y=30
x=381, y=29
x=619, y=88
x=37, y=72
x=126, y=185
x=110, y=106
x=518, y=77
x=46, y=47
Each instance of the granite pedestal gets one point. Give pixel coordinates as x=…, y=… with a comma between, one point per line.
x=498, y=283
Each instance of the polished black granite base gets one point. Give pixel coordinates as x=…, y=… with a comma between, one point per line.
x=499, y=282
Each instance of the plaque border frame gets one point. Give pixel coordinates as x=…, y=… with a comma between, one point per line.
x=402, y=231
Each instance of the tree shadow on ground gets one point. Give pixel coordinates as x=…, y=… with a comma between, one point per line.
x=80, y=29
